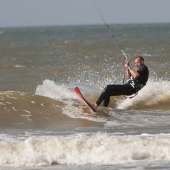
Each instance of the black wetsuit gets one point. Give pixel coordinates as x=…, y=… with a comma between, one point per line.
x=126, y=89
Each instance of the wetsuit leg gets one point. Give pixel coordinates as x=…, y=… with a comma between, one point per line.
x=106, y=101
x=114, y=90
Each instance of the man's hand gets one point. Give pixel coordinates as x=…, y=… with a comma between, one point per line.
x=131, y=72
x=127, y=65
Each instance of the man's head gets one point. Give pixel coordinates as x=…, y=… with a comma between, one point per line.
x=139, y=61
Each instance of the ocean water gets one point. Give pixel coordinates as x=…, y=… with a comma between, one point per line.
x=44, y=126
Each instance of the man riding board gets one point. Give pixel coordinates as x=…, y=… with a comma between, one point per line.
x=138, y=80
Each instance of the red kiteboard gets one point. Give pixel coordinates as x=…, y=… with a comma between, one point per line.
x=80, y=97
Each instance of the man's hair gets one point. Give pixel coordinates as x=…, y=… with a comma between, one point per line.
x=140, y=57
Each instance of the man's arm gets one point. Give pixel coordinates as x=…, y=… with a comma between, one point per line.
x=128, y=74
x=131, y=71
x=134, y=73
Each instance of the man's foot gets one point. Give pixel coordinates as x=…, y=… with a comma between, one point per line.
x=93, y=105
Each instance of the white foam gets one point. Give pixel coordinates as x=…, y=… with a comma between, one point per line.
x=66, y=94
x=51, y=89
x=99, y=149
x=152, y=94
x=11, y=97
x=27, y=111
x=19, y=66
x=1, y=103
x=14, y=108
x=78, y=112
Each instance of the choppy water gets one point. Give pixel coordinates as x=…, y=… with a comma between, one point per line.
x=44, y=126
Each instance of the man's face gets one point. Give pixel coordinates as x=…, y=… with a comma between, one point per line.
x=139, y=63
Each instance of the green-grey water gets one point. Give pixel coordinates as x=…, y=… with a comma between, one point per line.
x=44, y=126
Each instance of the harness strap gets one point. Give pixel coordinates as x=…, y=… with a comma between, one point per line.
x=135, y=84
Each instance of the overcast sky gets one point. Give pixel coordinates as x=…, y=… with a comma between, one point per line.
x=22, y=13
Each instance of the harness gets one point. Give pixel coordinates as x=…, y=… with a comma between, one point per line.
x=135, y=84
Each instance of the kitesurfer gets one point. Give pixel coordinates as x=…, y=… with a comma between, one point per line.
x=138, y=80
